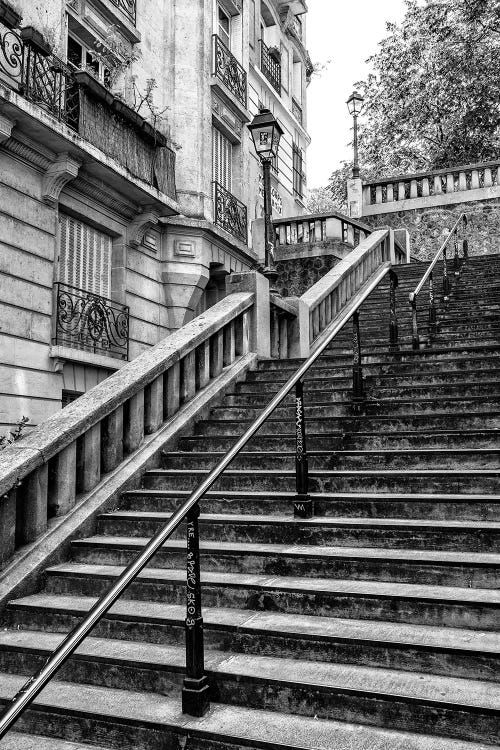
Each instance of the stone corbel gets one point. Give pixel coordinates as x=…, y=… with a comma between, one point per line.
x=6, y=127
x=60, y=172
x=139, y=226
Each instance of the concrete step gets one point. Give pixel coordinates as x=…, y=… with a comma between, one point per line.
x=477, y=570
x=442, y=606
x=456, y=707
x=18, y=741
x=356, y=505
x=132, y=719
x=452, y=652
x=397, y=533
x=344, y=459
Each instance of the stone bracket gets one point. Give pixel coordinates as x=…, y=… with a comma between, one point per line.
x=139, y=226
x=60, y=172
x=6, y=127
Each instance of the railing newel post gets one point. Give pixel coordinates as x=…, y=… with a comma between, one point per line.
x=446, y=278
x=456, y=259
x=195, y=689
x=393, y=323
x=414, y=322
x=357, y=368
x=303, y=505
x=432, y=307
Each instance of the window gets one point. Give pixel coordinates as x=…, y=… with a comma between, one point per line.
x=222, y=157
x=84, y=256
x=224, y=27
x=298, y=174
x=82, y=57
x=285, y=67
x=252, y=24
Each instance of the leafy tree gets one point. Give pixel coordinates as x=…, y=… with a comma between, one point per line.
x=432, y=99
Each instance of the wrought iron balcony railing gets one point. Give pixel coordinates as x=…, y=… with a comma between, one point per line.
x=297, y=111
x=85, y=320
x=270, y=66
x=230, y=213
x=129, y=7
x=229, y=71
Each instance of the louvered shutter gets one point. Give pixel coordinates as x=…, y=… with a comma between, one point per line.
x=84, y=256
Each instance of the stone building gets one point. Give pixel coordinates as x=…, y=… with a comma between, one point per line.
x=128, y=183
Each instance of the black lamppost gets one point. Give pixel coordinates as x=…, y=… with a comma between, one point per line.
x=266, y=133
x=354, y=105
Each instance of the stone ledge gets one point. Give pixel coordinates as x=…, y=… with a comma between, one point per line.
x=67, y=354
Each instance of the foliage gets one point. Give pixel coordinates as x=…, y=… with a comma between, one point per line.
x=320, y=200
x=6, y=440
x=432, y=98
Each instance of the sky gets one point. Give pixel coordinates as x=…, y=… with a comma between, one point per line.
x=346, y=32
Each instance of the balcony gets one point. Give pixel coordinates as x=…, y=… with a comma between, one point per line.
x=128, y=7
x=228, y=70
x=271, y=66
x=91, y=323
x=229, y=213
x=77, y=99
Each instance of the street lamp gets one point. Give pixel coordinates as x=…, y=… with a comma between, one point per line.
x=354, y=105
x=266, y=133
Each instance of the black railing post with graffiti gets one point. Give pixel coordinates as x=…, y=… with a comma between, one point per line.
x=303, y=506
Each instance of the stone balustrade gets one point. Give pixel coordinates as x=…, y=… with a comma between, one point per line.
x=460, y=184
x=329, y=295
x=314, y=228
x=42, y=474
x=284, y=328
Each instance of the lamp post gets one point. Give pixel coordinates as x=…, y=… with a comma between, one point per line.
x=266, y=133
x=354, y=105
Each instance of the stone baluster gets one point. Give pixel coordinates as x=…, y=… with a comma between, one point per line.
x=242, y=331
x=229, y=344
x=112, y=440
x=462, y=181
x=202, y=359
x=8, y=512
x=426, y=190
x=91, y=455
x=315, y=323
x=275, y=334
x=153, y=406
x=488, y=177
x=438, y=185
x=367, y=196
x=328, y=309
x=216, y=354
x=171, y=390
x=390, y=193
x=283, y=337
x=63, y=492
x=32, y=503
x=188, y=377
x=450, y=183
x=401, y=191
x=474, y=182
x=378, y=194
x=413, y=189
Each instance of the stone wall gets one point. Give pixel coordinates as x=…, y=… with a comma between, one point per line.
x=301, y=266
x=426, y=225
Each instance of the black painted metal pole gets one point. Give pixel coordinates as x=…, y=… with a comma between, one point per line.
x=303, y=506
x=456, y=261
x=357, y=370
x=414, y=322
x=195, y=699
x=446, y=279
x=393, y=323
x=432, y=307
x=270, y=269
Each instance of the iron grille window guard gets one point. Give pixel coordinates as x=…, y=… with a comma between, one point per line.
x=129, y=7
x=11, y=54
x=85, y=320
x=229, y=71
x=50, y=83
x=230, y=213
x=270, y=67
x=297, y=111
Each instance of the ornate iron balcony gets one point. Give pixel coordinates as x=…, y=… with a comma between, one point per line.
x=229, y=71
x=270, y=66
x=92, y=323
x=230, y=213
x=129, y=7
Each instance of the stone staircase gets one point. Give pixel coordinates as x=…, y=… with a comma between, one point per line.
x=374, y=625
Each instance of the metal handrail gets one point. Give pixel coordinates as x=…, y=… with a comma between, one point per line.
x=39, y=680
x=426, y=275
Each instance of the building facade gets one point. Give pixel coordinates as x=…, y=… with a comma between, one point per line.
x=129, y=188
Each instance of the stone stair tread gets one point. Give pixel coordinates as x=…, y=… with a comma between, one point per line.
x=413, y=686
x=424, y=636
x=290, y=583
x=265, y=729
x=367, y=452
x=332, y=521
x=330, y=472
x=373, y=553
x=21, y=741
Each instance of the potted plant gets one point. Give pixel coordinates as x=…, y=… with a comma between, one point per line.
x=9, y=16
x=275, y=54
x=36, y=40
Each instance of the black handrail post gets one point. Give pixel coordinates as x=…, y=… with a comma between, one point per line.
x=195, y=698
x=393, y=324
x=357, y=369
x=414, y=322
x=446, y=278
x=465, y=243
x=456, y=260
x=303, y=505
x=432, y=307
